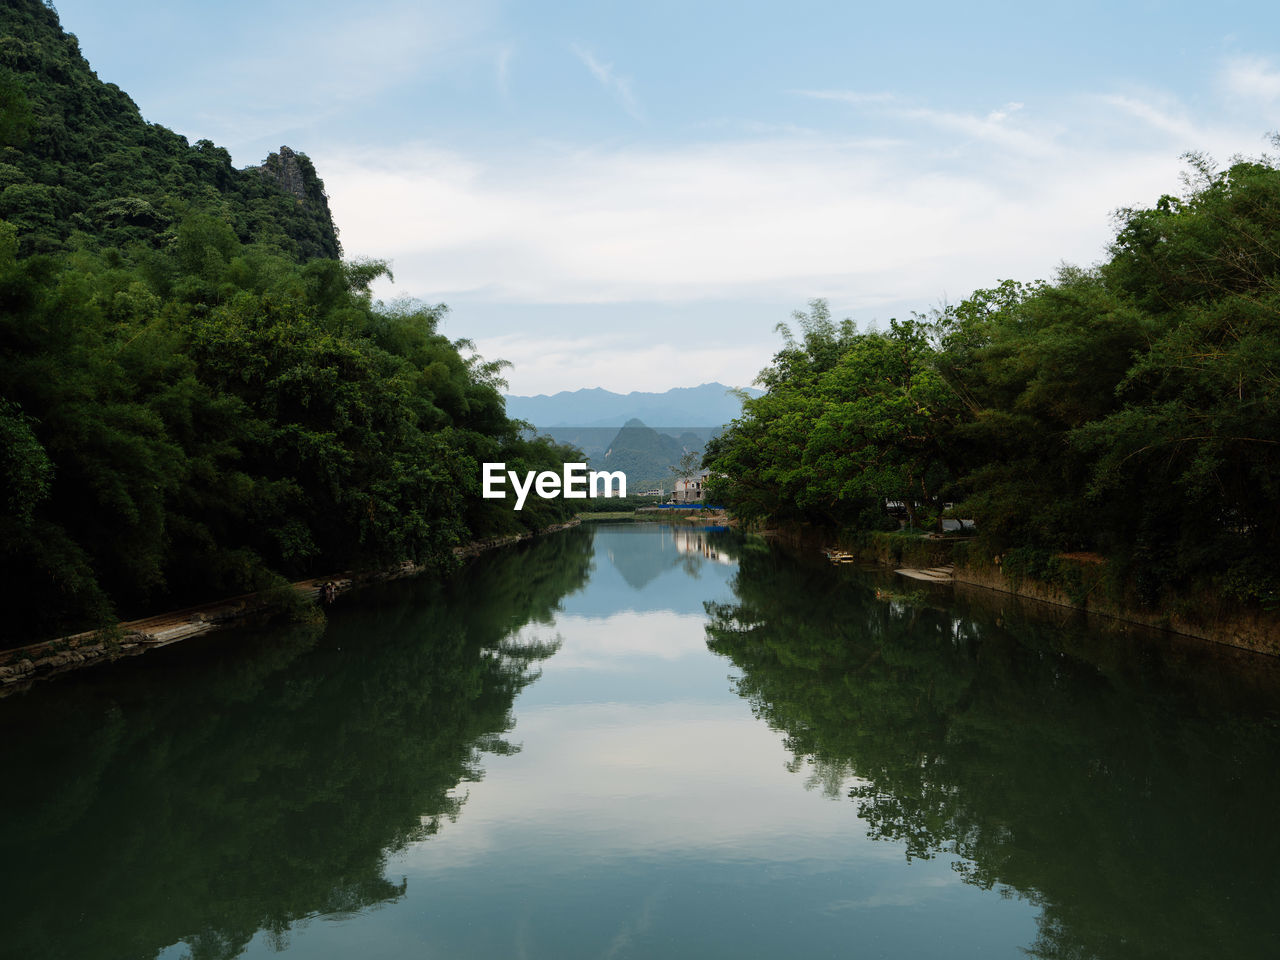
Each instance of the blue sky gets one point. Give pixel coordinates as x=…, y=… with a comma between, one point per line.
x=633, y=195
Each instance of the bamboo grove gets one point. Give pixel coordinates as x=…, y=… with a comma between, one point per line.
x=197, y=396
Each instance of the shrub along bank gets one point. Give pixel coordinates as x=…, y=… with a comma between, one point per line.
x=1129, y=411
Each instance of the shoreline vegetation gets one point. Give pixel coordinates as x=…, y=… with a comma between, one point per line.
x=299, y=601
x=1077, y=583
x=1112, y=437
x=938, y=559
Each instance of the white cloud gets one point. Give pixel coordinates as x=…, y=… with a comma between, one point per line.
x=922, y=205
x=502, y=70
x=604, y=72
x=991, y=127
x=652, y=359
x=1252, y=79
x=1173, y=122
x=1003, y=113
x=777, y=219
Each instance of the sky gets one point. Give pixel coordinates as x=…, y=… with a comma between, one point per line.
x=633, y=195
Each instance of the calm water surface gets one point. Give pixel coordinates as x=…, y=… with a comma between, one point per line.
x=644, y=741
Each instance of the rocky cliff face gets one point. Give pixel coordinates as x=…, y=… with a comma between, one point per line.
x=295, y=175
x=285, y=170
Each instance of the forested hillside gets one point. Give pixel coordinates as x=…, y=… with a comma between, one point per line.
x=645, y=455
x=1130, y=411
x=83, y=167
x=196, y=396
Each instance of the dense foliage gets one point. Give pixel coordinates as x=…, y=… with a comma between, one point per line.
x=78, y=164
x=1132, y=410
x=196, y=398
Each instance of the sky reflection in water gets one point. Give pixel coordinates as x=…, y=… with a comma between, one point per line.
x=648, y=813
x=648, y=741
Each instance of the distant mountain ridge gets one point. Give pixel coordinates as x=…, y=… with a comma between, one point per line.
x=706, y=405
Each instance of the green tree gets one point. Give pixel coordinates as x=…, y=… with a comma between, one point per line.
x=849, y=420
x=686, y=468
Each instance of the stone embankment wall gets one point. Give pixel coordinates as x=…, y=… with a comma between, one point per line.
x=1204, y=618
x=1255, y=630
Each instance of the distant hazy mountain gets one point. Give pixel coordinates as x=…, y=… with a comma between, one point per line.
x=708, y=405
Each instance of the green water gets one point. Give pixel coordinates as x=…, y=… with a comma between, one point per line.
x=645, y=741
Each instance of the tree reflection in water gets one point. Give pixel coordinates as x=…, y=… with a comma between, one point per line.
x=202, y=795
x=1124, y=785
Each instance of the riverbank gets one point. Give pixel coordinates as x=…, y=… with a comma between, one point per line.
x=691, y=515
x=21, y=666
x=1076, y=581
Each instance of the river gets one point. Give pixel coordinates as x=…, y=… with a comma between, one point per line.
x=638, y=740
